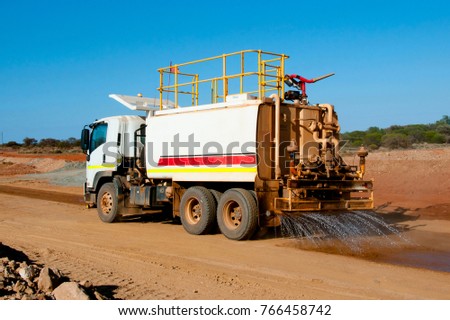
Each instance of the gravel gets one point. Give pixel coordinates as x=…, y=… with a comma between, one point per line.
x=25, y=280
x=73, y=174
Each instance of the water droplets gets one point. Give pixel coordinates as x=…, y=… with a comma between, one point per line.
x=347, y=232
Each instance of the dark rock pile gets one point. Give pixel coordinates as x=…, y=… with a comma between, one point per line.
x=28, y=281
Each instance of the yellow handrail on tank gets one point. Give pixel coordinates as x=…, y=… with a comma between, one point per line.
x=266, y=78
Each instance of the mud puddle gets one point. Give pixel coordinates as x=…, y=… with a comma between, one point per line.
x=420, y=258
x=369, y=236
x=379, y=250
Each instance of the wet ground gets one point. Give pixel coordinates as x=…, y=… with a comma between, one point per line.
x=403, y=247
x=418, y=258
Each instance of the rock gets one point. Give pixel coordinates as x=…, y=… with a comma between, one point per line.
x=29, y=290
x=47, y=280
x=39, y=296
x=27, y=272
x=23, y=280
x=99, y=296
x=57, y=273
x=70, y=291
x=86, y=284
x=19, y=286
x=8, y=273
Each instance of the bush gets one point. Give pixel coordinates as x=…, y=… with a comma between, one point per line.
x=28, y=142
x=373, y=138
x=13, y=144
x=401, y=136
x=395, y=141
x=434, y=137
x=48, y=142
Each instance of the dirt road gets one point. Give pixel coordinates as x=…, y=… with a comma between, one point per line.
x=145, y=259
x=150, y=258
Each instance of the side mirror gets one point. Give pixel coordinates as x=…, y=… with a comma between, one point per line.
x=85, y=140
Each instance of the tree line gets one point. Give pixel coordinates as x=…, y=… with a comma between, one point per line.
x=398, y=137
x=47, y=142
x=393, y=137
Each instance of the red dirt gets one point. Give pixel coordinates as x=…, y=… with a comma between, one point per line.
x=416, y=181
x=79, y=157
x=12, y=169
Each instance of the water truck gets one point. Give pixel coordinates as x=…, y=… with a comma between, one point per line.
x=224, y=145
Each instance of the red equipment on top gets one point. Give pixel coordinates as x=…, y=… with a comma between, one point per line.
x=291, y=81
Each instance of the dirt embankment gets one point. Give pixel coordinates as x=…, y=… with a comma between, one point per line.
x=413, y=181
x=149, y=257
x=50, y=172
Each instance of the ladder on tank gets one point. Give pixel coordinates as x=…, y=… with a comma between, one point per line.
x=211, y=80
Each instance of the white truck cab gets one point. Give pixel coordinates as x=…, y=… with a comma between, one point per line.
x=111, y=146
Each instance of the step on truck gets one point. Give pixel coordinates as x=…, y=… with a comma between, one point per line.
x=224, y=145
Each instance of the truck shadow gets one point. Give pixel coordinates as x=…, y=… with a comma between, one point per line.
x=155, y=217
x=395, y=215
x=382, y=221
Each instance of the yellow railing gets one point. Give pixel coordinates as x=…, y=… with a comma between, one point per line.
x=223, y=75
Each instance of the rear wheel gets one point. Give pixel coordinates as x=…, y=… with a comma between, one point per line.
x=237, y=214
x=254, y=195
x=198, y=210
x=216, y=194
x=107, y=203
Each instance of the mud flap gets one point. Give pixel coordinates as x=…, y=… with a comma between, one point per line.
x=123, y=200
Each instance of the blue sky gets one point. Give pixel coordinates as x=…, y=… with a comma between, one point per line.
x=59, y=60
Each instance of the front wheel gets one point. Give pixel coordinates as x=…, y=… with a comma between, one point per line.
x=237, y=214
x=108, y=203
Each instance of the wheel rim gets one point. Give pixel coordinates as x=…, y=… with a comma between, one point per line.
x=107, y=203
x=193, y=211
x=232, y=215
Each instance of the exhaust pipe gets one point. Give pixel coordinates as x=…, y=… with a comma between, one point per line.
x=277, y=134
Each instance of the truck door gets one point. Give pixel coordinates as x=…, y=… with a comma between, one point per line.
x=97, y=157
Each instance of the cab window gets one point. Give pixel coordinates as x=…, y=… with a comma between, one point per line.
x=98, y=136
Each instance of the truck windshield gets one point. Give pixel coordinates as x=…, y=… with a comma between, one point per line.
x=98, y=136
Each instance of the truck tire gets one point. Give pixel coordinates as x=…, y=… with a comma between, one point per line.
x=198, y=210
x=108, y=203
x=217, y=195
x=237, y=214
x=254, y=195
